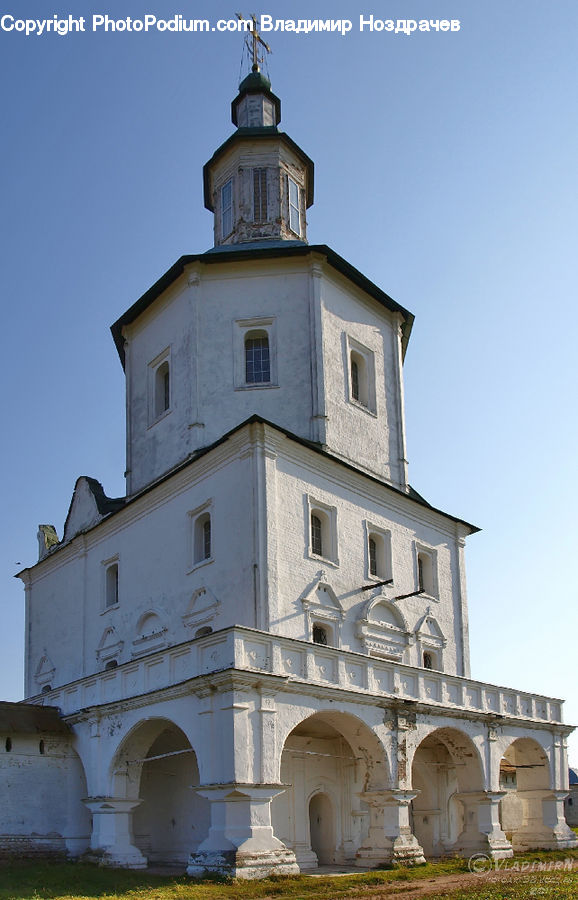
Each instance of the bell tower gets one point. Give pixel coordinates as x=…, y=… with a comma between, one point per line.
x=259, y=183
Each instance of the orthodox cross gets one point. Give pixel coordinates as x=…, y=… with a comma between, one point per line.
x=253, y=40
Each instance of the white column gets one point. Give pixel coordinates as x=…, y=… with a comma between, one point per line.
x=112, y=841
x=544, y=825
x=241, y=842
x=482, y=830
x=390, y=837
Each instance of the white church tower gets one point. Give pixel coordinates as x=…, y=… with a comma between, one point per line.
x=271, y=615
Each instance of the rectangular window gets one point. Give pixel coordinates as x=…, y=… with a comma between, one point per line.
x=111, y=585
x=294, y=209
x=257, y=362
x=227, y=208
x=259, y=195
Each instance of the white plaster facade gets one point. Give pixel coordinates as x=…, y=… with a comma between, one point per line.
x=261, y=652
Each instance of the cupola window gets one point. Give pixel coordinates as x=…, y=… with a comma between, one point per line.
x=259, y=195
x=227, y=208
x=294, y=208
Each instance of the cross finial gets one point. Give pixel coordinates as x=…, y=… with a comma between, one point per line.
x=253, y=40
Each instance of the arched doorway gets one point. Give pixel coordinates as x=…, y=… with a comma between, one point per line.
x=321, y=828
x=330, y=760
x=157, y=764
x=446, y=770
x=525, y=780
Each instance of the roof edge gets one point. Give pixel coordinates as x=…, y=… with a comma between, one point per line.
x=241, y=254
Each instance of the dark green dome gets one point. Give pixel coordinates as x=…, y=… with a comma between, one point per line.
x=255, y=81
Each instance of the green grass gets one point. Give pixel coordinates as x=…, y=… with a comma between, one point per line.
x=75, y=881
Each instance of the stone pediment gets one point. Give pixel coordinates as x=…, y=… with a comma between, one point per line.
x=428, y=630
x=321, y=599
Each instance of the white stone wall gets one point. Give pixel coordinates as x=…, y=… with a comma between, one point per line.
x=41, y=809
x=151, y=541
x=258, y=487
x=198, y=324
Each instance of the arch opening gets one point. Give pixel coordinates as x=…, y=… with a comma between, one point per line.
x=446, y=769
x=329, y=760
x=525, y=781
x=157, y=764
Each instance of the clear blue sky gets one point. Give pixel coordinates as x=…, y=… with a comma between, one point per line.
x=446, y=170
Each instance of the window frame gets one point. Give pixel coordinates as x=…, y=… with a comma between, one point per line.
x=328, y=518
x=431, y=588
x=195, y=522
x=292, y=207
x=107, y=566
x=156, y=414
x=384, y=552
x=364, y=359
x=241, y=329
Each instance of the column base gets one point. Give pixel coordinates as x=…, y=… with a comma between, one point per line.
x=243, y=864
x=109, y=858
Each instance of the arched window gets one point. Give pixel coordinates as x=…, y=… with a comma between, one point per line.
x=202, y=538
x=316, y=535
x=427, y=661
x=162, y=398
x=112, y=585
x=320, y=635
x=257, y=358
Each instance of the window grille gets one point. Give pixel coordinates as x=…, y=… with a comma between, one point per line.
x=207, y=539
x=354, y=380
x=257, y=359
x=316, y=536
x=372, y=557
x=319, y=635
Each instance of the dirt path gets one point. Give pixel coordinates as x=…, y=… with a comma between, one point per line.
x=441, y=884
